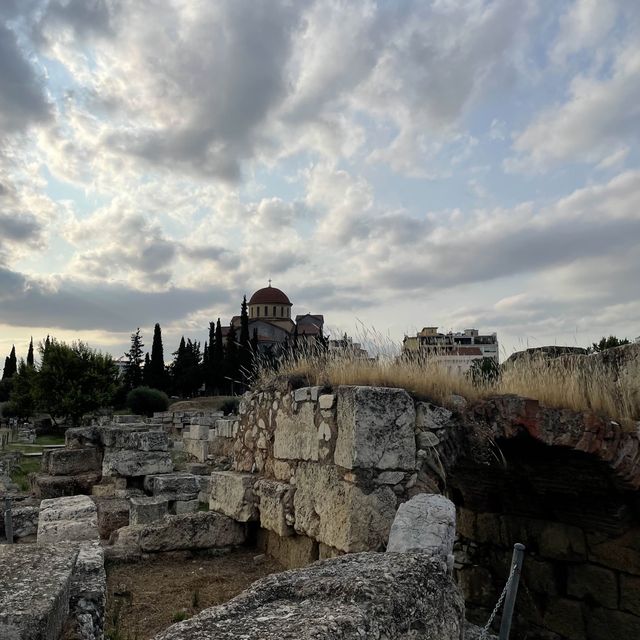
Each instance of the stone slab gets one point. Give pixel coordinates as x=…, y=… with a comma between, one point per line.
x=202, y=530
x=174, y=486
x=232, y=495
x=144, y=510
x=339, y=513
x=368, y=595
x=71, y=462
x=88, y=594
x=130, y=463
x=275, y=504
x=68, y=519
x=185, y=506
x=375, y=429
x=46, y=486
x=113, y=513
x=35, y=583
x=426, y=523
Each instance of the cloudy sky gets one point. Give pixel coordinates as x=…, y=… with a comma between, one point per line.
x=391, y=164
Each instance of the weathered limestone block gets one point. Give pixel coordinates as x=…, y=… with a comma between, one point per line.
x=147, y=509
x=232, y=495
x=296, y=435
x=113, y=513
x=88, y=594
x=199, y=432
x=46, y=486
x=70, y=462
x=596, y=583
x=565, y=617
x=127, y=419
x=24, y=519
x=199, y=449
x=185, y=506
x=139, y=437
x=35, y=584
x=198, y=469
x=174, y=486
x=291, y=552
x=202, y=530
x=326, y=401
x=399, y=596
x=339, y=513
x=431, y=417
x=69, y=519
x=375, y=429
x=81, y=437
x=425, y=523
x=275, y=503
x=126, y=462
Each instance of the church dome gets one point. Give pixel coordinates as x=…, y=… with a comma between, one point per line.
x=269, y=295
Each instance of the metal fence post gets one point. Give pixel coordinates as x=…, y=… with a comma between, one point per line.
x=512, y=592
x=8, y=521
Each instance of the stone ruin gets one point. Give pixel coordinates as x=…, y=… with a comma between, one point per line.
x=317, y=474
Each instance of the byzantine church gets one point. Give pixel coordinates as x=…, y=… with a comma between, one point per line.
x=269, y=311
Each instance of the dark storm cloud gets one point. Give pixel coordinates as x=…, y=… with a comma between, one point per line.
x=22, y=98
x=79, y=305
x=19, y=227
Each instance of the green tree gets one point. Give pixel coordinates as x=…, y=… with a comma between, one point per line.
x=74, y=380
x=10, y=365
x=186, y=370
x=245, y=356
x=158, y=378
x=217, y=360
x=608, y=343
x=30, y=359
x=133, y=371
x=23, y=391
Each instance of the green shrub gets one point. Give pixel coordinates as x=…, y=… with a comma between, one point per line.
x=144, y=401
x=230, y=406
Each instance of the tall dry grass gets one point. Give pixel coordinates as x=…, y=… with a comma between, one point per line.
x=579, y=383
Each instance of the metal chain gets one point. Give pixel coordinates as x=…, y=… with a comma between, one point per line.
x=494, y=613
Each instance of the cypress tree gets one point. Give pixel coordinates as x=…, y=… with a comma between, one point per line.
x=10, y=365
x=146, y=371
x=231, y=358
x=212, y=362
x=218, y=360
x=178, y=367
x=30, y=360
x=244, y=355
x=157, y=374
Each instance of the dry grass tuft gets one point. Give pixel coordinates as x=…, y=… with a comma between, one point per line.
x=579, y=383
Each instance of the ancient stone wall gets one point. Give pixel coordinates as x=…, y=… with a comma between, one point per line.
x=324, y=471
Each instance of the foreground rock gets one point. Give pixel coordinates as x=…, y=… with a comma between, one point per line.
x=35, y=585
x=425, y=523
x=366, y=595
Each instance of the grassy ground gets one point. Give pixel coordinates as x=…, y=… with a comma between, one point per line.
x=146, y=597
x=21, y=476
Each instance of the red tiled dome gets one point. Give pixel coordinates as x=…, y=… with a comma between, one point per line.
x=269, y=295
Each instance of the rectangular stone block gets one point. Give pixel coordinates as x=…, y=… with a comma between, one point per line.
x=125, y=462
x=129, y=418
x=144, y=510
x=339, y=513
x=68, y=519
x=174, y=486
x=35, y=584
x=199, y=432
x=70, y=462
x=232, y=495
x=596, y=583
x=81, y=437
x=199, y=449
x=375, y=429
x=113, y=513
x=291, y=552
x=202, y=530
x=186, y=506
x=275, y=504
x=296, y=435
